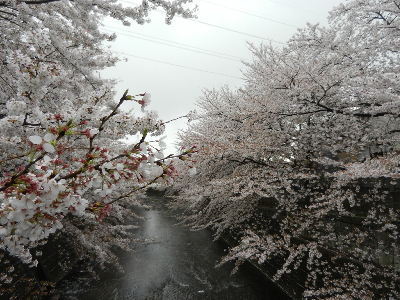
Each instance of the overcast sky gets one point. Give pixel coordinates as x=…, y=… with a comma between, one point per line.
x=165, y=60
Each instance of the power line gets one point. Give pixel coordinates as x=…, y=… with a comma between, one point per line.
x=248, y=13
x=178, y=43
x=309, y=11
x=176, y=65
x=219, y=54
x=172, y=45
x=224, y=28
x=216, y=26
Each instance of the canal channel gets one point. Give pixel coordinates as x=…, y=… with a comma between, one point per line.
x=179, y=264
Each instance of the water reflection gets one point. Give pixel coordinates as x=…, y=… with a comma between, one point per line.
x=180, y=264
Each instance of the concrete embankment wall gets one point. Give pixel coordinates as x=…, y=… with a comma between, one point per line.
x=268, y=270
x=293, y=283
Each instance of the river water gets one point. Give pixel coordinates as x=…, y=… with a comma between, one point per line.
x=178, y=265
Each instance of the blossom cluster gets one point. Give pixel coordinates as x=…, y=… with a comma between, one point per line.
x=62, y=158
x=312, y=137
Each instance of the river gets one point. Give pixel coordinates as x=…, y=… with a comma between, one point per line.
x=178, y=265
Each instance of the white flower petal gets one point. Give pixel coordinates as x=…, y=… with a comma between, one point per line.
x=147, y=97
x=58, y=224
x=108, y=165
x=143, y=147
x=3, y=231
x=94, y=131
x=192, y=171
x=159, y=155
x=151, y=159
x=97, y=183
x=49, y=137
x=35, y=139
x=48, y=148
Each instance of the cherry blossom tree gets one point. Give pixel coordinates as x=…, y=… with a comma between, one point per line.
x=62, y=160
x=314, y=137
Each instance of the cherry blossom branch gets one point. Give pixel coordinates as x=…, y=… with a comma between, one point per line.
x=24, y=170
x=30, y=124
x=135, y=190
x=76, y=68
x=166, y=122
x=8, y=85
x=39, y=1
x=154, y=180
x=105, y=119
x=14, y=157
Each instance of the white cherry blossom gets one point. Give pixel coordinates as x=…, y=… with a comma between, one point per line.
x=313, y=135
x=61, y=126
